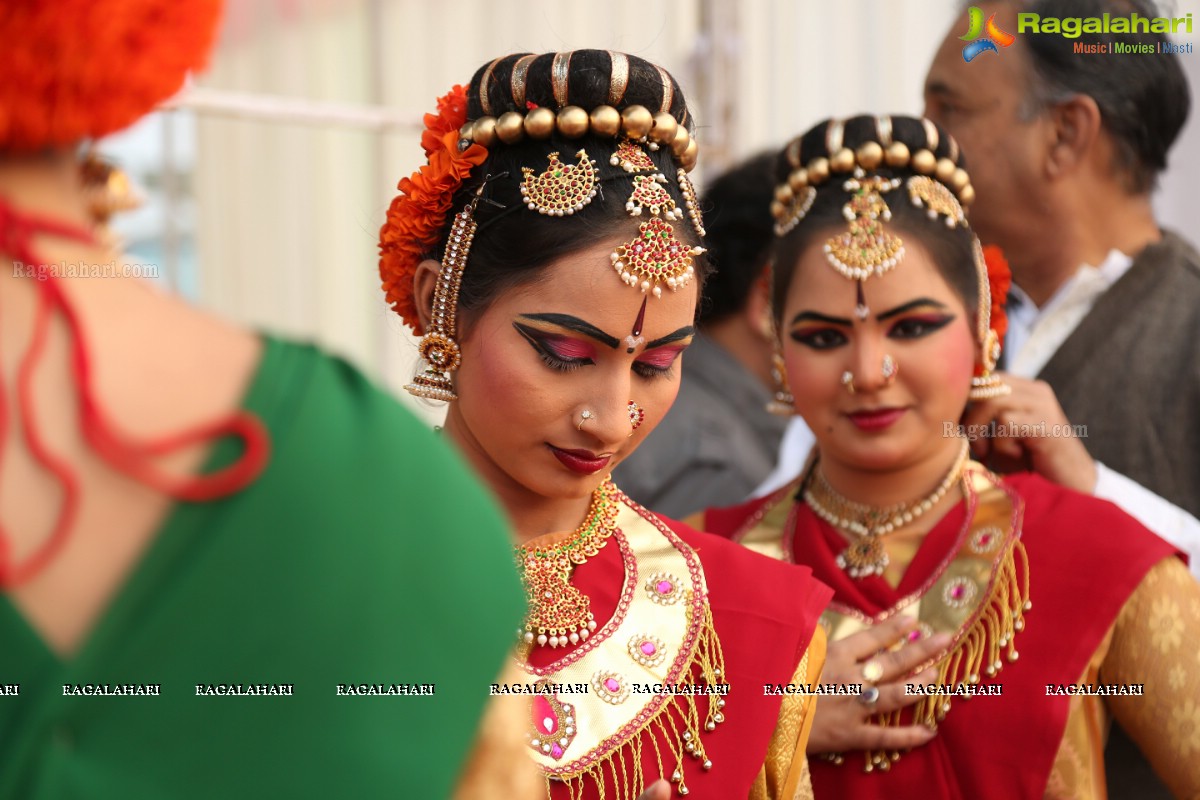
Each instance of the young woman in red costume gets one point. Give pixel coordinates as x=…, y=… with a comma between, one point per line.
x=889, y=320
x=550, y=255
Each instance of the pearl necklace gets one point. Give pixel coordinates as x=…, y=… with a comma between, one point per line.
x=865, y=556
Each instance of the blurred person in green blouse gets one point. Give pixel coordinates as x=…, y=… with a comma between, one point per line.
x=230, y=565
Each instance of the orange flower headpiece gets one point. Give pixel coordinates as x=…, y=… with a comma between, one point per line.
x=79, y=69
x=417, y=215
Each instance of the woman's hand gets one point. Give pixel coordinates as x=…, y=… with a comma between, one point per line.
x=1034, y=433
x=659, y=790
x=843, y=723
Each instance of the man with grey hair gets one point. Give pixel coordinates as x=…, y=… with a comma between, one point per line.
x=1065, y=139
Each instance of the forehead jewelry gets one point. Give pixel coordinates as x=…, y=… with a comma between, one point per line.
x=654, y=257
x=648, y=192
x=866, y=248
x=585, y=416
x=635, y=337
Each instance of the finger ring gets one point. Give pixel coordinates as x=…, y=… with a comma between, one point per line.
x=869, y=695
x=872, y=670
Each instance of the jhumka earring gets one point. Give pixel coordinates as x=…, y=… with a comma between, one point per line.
x=986, y=384
x=783, y=404
x=438, y=347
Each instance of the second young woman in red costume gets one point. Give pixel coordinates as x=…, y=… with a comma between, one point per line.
x=550, y=255
x=890, y=318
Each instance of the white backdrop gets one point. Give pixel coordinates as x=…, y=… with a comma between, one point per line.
x=287, y=214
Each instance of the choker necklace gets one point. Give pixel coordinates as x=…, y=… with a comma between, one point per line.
x=865, y=556
x=559, y=614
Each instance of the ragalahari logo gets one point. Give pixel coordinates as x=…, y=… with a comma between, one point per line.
x=983, y=37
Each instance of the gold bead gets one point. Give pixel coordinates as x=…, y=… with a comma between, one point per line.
x=636, y=121
x=664, y=128
x=539, y=123
x=967, y=195
x=510, y=127
x=690, y=154
x=945, y=170
x=924, y=162
x=484, y=131
x=784, y=193
x=793, y=153
x=777, y=209
x=897, y=154
x=465, y=132
x=681, y=141
x=818, y=170
x=798, y=179
x=960, y=179
x=869, y=155
x=572, y=122
x=842, y=160
x=606, y=121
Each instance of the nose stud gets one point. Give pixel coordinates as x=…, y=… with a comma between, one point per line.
x=584, y=417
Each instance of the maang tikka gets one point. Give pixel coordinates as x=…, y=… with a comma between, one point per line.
x=656, y=256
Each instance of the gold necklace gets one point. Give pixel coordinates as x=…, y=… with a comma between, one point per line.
x=865, y=556
x=559, y=614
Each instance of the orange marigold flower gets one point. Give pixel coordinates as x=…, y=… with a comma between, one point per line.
x=417, y=215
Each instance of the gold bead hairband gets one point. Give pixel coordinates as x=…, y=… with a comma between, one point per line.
x=657, y=129
x=794, y=198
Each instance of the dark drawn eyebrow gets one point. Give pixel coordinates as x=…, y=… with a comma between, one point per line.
x=682, y=333
x=575, y=324
x=919, y=302
x=901, y=309
x=813, y=315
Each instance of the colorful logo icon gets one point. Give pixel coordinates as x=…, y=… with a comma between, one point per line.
x=976, y=28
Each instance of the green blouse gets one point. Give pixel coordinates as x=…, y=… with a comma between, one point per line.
x=365, y=556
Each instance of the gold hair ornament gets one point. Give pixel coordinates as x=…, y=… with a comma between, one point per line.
x=562, y=189
x=866, y=248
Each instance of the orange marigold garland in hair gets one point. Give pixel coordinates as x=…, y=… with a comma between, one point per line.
x=417, y=215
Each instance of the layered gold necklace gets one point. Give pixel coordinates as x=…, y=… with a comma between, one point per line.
x=865, y=555
x=559, y=614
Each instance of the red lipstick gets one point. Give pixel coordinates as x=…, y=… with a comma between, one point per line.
x=876, y=419
x=585, y=462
